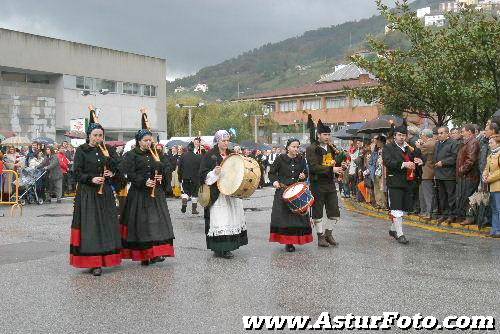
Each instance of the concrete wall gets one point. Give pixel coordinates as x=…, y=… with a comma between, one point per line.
x=28, y=109
x=37, y=53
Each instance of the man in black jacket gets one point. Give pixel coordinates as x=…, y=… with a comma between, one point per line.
x=189, y=170
x=445, y=157
x=399, y=160
x=321, y=159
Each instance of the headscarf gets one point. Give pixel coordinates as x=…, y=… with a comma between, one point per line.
x=221, y=135
x=141, y=134
x=92, y=127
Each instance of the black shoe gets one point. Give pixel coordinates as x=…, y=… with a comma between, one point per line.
x=145, y=263
x=96, y=271
x=402, y=240
x=183, y=208
x=290, y=248
x=393, y=234
x=227, y=255
x=157, y=259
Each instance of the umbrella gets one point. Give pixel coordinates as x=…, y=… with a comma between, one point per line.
x=17, y=141
x=380, y=124
x=265, y=147
x=76, y=134
x=346, y=134
x=342, y=134
x=176, y=143
x=44, y=140
x=249, y=145
x=116, y=143
x=353, y=128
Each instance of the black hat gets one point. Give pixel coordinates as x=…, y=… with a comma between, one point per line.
x=144, y=121
x=93, y=117
x=321, y=128
x=93, y=123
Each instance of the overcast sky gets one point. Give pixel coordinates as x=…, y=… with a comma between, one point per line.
x=190, y=34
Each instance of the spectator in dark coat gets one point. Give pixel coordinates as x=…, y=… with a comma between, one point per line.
x=445, y=175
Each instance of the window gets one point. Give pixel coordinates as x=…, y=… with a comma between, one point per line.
x=84, y=83
x=336, y=102
x=149, y=90
x=311, y=104
x=131, y=88
x=360, y=103
x=288, y=106
x=269, y=107
x=13, y=76
x=38, y=78
x=106, y=84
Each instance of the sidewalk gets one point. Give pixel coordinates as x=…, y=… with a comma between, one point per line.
x=416, y=221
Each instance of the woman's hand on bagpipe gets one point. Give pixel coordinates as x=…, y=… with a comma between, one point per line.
x=150, y=183
x=98, y=180
x=108, y=173
x=159, y=177
x=302, y=176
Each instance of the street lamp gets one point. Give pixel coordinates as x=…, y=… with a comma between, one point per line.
x=190, y=108
x=265, y=114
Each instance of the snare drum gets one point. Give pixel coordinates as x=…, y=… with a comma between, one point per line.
x=298, y=197
x=240, y=176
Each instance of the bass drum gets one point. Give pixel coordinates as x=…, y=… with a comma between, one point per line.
x=240, y=176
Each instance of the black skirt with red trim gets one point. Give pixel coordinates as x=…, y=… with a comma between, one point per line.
x=146, y=227
x=95, y=232
x=287, y=227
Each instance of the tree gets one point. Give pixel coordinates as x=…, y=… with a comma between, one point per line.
x=446, y=73
x=215, y=116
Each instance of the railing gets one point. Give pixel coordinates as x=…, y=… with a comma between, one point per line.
x=9, y=190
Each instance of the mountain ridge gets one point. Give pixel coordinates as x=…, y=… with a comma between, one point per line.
x=292, y=62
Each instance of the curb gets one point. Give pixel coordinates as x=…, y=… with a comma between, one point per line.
x=416, y=221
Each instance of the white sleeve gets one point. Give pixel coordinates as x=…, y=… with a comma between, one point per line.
x=211, y=178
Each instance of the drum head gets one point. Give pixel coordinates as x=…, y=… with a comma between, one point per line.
x=293, y=190
x=232, y=172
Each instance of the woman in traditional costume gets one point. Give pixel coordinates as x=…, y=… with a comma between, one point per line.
x=225, y=226
x=95, y=232
x=147, y=233
x=287, y=227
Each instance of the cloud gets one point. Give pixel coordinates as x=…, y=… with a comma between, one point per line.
x=190, y=34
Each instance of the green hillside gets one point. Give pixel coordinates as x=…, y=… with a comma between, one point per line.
x=292, y=62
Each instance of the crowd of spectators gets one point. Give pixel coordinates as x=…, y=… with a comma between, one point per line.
x=459, y=181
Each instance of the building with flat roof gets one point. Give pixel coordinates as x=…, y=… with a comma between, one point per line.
x=42, y=79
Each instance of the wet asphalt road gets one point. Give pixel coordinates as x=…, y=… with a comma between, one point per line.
x=367, y=274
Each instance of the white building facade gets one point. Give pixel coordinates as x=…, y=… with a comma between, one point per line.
x=42, y=79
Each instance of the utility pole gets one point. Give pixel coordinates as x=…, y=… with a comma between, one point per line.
x=190, y=113
x=256, y=128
